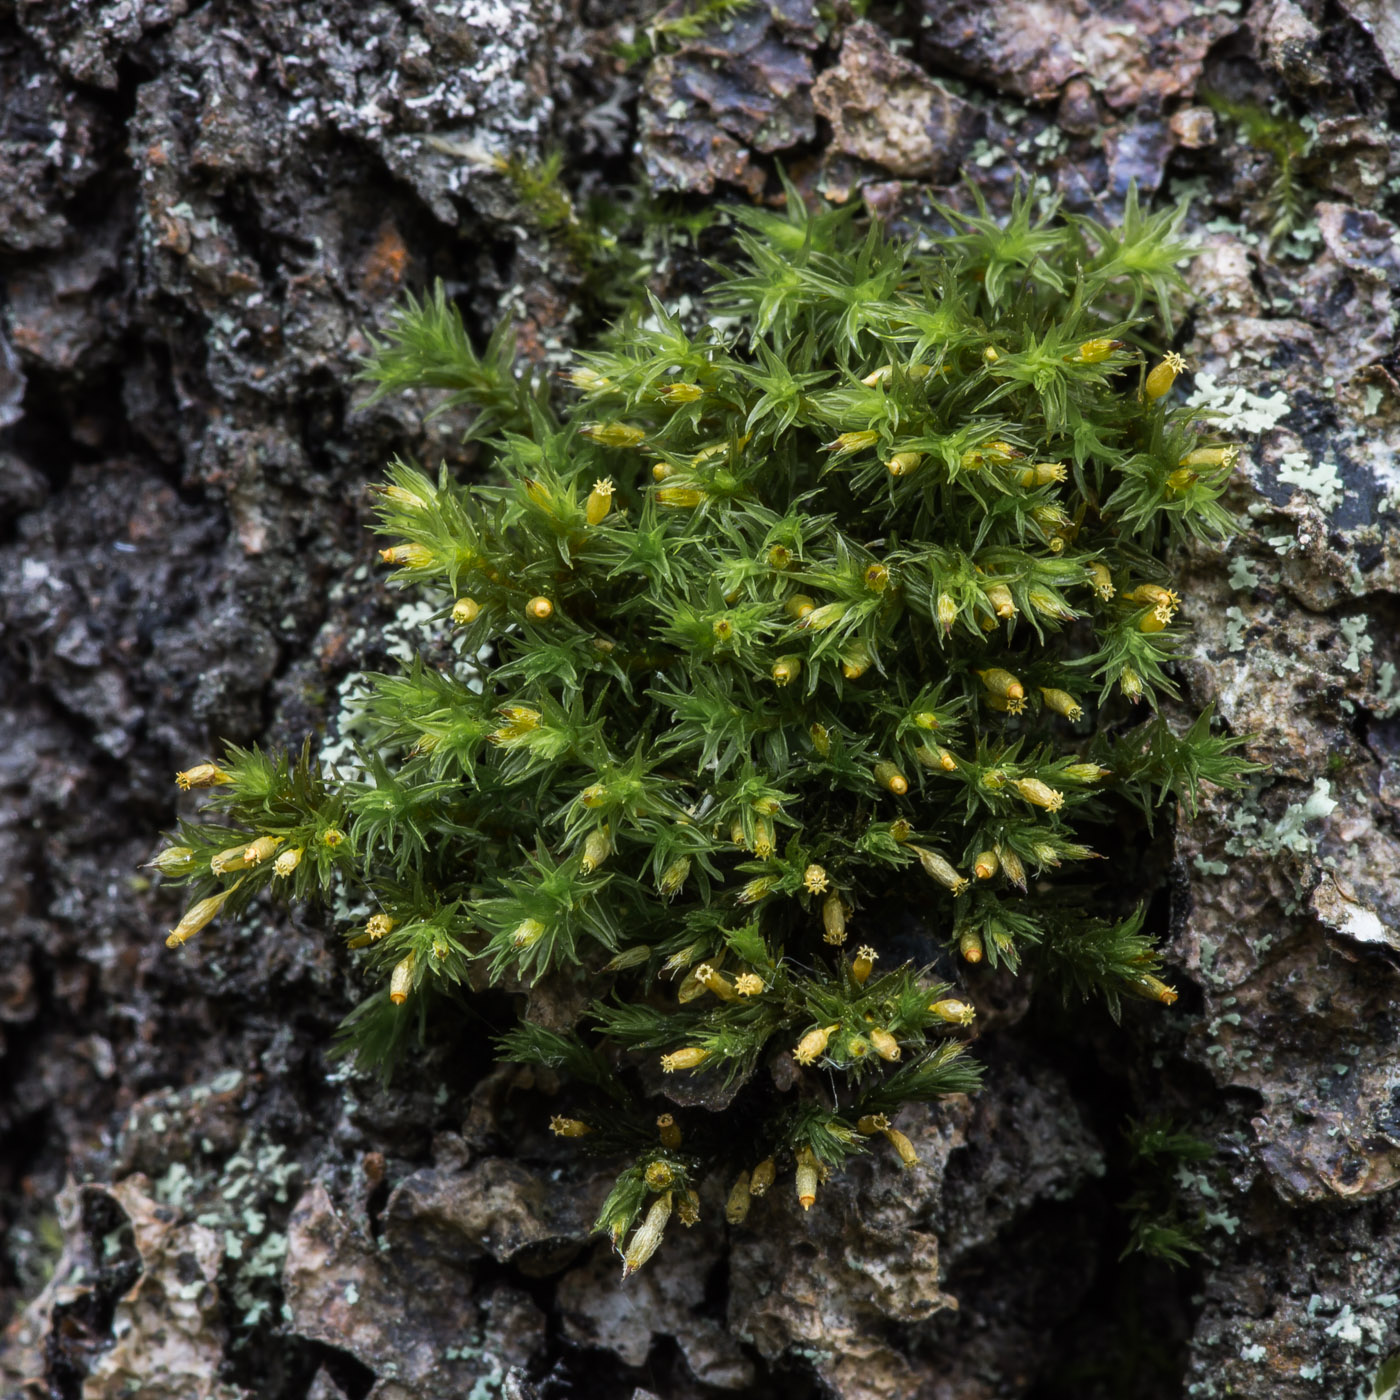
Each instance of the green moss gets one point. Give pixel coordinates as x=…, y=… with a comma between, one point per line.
x=1285, y=141
x=839, y=620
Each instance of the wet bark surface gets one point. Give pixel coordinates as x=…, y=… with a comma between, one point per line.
x=204, y=209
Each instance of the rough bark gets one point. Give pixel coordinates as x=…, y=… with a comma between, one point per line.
x=202, y=209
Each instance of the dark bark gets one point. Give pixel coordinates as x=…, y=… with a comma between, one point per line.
x=202, y=209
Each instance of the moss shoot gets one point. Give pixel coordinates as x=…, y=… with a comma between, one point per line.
x=839, y=610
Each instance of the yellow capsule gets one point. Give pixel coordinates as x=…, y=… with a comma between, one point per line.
x=679, y=497
x=614, y=434
x=900, y=830
x=673, y=877
x=669, y=1132
x=599, y=501
x=955, y=1012
x=834, y=919
x=258, y=851
x=1040, y=794
x=691, y=1057
x=465, y=611
x=970, y=945
x=715, y=449
x=736, y=1208
x=1131, y=683
x=813, y=1045
x=937, y=868
x=799, y=606
x=1003, y=684
x=1163, y=374
x=540, y=495
x=877, y=578
x=863, y=964
x=680, y=392
x=589, y=380
x=1211, y=457
x=749, y=984
x=1182, y=479
x=1049, y=604
x=197, y=916
x=886, y=1046
x=378, y=926
x=568, y=1127
x=688, y=1207
x=401, y=979
x=691, y=987
x=902, y=1146
x=903, y=463
x=806, y=1178
x=855, y=660
x=814, y=879
x=202, y=775
x=998, y=453
x=659, y=1176
x=786, y=669
x=845, y=443
x=1011, y=866
x=1155, y=594
x=1155, y=989
x=779, y=557
x=1093, y=352
x=1087, y=773
x=879, y=376
x=634, y=956
x=411, y=556
x=821, y=739
x=757, y=889
x=723, y=629
x=828, y=615
x=1062, y=702
x=716, y=982
x=540, y=608
x=990, y=355
x=596, y=849
x=762, y=1177
x=173, y=860
x=661, y=470
x=1043, y=474
x=1151, y=622
x=647, y=1239
x=891, y=779
x=763, y=838
x=1102, y=580
x=527, y=933
x=947, y=610
x=402, y=496
x=986, y=865
x=1164, y=601
x=230, y=858
x=999, y=596
x=332, y=836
